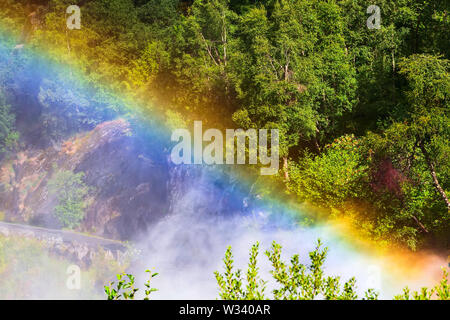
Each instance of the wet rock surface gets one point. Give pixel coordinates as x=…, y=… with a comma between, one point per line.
x=128, y=188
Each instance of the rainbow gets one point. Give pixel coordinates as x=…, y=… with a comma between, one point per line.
x=399, y=266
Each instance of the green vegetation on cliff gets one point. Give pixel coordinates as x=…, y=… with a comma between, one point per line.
x=8, y=136
x=71, y=193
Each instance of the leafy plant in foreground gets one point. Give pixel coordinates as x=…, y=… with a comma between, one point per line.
x=295, y=281
x=441, y=291
x=125, y=288
x=299, y=282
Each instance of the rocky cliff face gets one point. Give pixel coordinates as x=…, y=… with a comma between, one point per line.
x=132, y=183
x=129, y=190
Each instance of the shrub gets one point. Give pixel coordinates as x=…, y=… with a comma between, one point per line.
x=71, y=192
x=8, y=137
x=125, y=287
x=333, y=177
x=295, y=281
x=440, y=292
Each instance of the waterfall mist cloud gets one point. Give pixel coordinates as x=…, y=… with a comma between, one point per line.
x=188, y=245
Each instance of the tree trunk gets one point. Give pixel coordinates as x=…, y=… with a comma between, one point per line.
x=285, y=167
x=434, y=176
x=420, y=224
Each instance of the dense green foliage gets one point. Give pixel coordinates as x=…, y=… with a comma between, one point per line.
x=71, y=192
x=8, y=136
x=363, y=113
x=296, y=281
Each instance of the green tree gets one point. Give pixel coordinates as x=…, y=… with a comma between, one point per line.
x=428, y=112
x=294, y=73
x=71, y=193
x=8, y=136
x=416, y=143
x=337, y=175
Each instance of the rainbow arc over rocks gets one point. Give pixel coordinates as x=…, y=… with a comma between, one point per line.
x=27, y=68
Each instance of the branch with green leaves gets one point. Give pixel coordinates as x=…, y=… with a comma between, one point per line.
x=125, y=288
x=295, y=281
